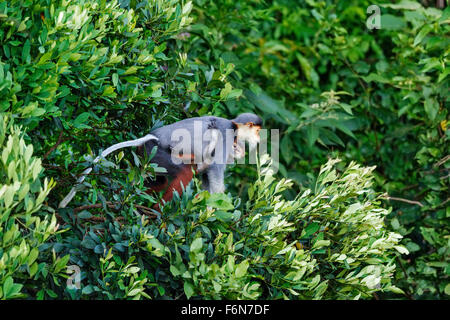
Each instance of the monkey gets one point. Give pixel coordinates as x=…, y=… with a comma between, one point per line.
x=205, y=145
x=200, y=151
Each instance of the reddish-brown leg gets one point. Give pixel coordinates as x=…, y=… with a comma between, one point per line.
x=183, y=178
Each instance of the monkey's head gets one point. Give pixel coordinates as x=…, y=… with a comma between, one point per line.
x=248, y=126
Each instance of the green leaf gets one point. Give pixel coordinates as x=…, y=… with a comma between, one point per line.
x=225, y=91
x=8, y=196
x=312, y=133
x=188, y=289
x=431, y=108
x=115, y=79
x=286, y=148
x=241, y=269
x=264, y=102
x=109, y=90
x=11, y=289
x=310, y=230
x=174, y=270
x=391, y=22
x=225, y=216
x=87, y=290
x=374, y=77
x=422, y=33
x=88, y=243
x=7, y=287
x=401, y=249
x=396, y=290
x=321, y=243
x=196, y=245
x=26, y=52
x=158, y=246
x=308, y=70
x=404, y=4
x=84, y=214
x=235, y=93
x=134, y=292
x=33, y=269
x=412, y=247
x=447, y=289
x=32, y=256
x=81, y=119
x=220, y=201
x=347, y=108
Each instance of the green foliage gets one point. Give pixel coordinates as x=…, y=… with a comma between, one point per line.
x=327, y=243
x=385, y=102
x=23, y=232
x=88, y=55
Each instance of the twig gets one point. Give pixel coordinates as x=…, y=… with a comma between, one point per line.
x=443, y=203
x=60, y=140
x=110, y=205
x=404, y=200
x=358, y=77
x=442, y=161
x=240, y=219
x=410, y=297
x=412, y=186
x=93, y=206
x=147, y=211
x=444, y=177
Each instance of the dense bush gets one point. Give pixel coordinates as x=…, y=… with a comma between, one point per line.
x=327, y=243
x=26, y=265
x=379, y=97
x=78, y=76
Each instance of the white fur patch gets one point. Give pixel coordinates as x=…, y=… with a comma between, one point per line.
x=250, y=134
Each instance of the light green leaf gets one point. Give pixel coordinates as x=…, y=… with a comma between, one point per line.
x=196, y=245
x=431, y=108
x=241, y=269
x=422, y=33
x=188, y=289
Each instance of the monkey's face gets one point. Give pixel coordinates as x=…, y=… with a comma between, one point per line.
x=238, y=150
x=249, y=132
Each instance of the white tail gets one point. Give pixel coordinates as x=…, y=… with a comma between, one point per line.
x=117, y=146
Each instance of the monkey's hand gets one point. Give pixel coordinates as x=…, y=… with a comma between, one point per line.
x=202, y=166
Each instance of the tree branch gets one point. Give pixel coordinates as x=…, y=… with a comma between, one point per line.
x=404, y=200
x=60, y=140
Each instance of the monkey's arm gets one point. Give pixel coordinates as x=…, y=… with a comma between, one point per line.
x=215, y=175
x=117, y=146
